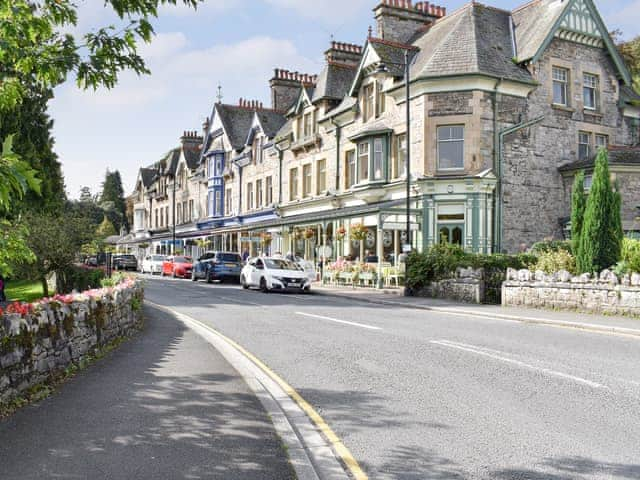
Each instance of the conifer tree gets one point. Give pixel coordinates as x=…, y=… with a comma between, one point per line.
x=578, y=205
x=600, y=238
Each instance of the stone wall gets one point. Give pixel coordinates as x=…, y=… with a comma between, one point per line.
x=44, y=338
x=467, y=286
x=605, y=294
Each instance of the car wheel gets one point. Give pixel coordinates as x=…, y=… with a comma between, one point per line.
x=263, y=285
x=244, y=283
x=174, y=274
x=209, y=279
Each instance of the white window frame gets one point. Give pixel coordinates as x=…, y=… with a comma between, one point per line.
x=450, y=140
x=560, y=75
x=581, y=137
x=590, y=84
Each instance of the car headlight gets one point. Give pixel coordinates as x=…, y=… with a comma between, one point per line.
x=279, y=279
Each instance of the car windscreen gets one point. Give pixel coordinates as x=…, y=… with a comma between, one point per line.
x=158, y=258
x=182, y=260
x=128, y=257
x=280, y=265
x=229, y=257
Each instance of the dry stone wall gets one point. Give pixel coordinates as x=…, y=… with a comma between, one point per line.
x=605, y=293
x=39, y=340
x=467, y=286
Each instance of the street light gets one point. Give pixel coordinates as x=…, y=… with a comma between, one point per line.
x=382, y=70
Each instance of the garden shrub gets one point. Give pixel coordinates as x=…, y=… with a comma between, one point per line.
x=631, y=254
x=441, y=261
x=78, y=278
x=552, y=262
x=550, y=245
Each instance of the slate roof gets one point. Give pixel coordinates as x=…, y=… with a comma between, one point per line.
x=629, y=95
x=391, y=55
x=473, y=39
x=533, y=22
x=192, y=157
x=148, y=176
x=285, y=130
x=334, y=82
x=347, y=104
x=237, y=123
x=271, y=122
x=169, y=163
x=617, y=156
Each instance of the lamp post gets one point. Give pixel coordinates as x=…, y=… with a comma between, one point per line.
x=381, y=70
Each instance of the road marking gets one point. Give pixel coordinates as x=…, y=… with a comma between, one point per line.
x=339, y=448
x=479, y=351
x=231, y=299
x=353, y=324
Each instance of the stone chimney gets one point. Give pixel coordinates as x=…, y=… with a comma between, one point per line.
x=285, y=88
x=400, y=20
x=190, y=139
x=346, y=53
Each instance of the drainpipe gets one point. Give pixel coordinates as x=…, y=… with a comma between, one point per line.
x=280, y=163
x=496, y=162
x=338, y=135
x=498, y=221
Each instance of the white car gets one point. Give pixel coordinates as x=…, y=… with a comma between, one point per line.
x=153, y=264
x=274, y=274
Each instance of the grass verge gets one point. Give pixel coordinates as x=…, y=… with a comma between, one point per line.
x=24, y=290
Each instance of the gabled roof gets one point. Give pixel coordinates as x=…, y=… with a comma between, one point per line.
x=192, y=157
x=148, y=176
x=537, y=23
x=270, y=122
x=305, y=95
x=285, y=131
x=475, y=39
x=170, y=162
x=334, y=81
x=236, y=122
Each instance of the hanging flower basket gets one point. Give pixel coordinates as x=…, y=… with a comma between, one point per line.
x=309, y=233
x=340, y=233
x=358, y=232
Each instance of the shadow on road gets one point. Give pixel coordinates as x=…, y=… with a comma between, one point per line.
x=164, y=406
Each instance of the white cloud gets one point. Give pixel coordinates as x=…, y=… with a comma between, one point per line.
x=333, y=13
x=144, y=116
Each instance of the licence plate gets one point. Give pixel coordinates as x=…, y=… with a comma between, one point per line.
x=229, y=265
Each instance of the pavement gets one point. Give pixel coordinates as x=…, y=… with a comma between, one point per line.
x=427, y=394
x=165, y=405
x=578, y=320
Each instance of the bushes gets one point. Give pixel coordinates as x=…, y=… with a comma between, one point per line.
x=441, y=261
x=551, y=262
x=631, y=255
x=79, y=278
x=550, y=245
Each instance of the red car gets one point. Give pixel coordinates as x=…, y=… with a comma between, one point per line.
x=177, y=267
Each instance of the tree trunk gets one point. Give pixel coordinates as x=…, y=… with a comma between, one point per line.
x=45, y=286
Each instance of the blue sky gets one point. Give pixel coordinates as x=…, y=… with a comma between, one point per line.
x=236, y=43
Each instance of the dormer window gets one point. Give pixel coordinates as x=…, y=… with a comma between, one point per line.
x=381, y=100
x=257, y=149
x=368, y=100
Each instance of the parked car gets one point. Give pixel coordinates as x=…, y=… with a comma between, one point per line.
x=218, y=266
x=269, y=274
x=125, y=262
x=153, y=264
x=308, y=267
x=178, y=266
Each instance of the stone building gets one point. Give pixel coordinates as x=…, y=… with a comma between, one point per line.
x=505, y=107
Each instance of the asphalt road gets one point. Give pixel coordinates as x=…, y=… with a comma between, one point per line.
x=165, y=405
x=425, y=395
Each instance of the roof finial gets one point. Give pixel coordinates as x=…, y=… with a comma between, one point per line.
x=370, y=31
x=219, y=96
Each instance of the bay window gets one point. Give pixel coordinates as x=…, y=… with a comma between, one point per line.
x=363, y=162
x=350, y=169
x=378, y=160
x=400, y=157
